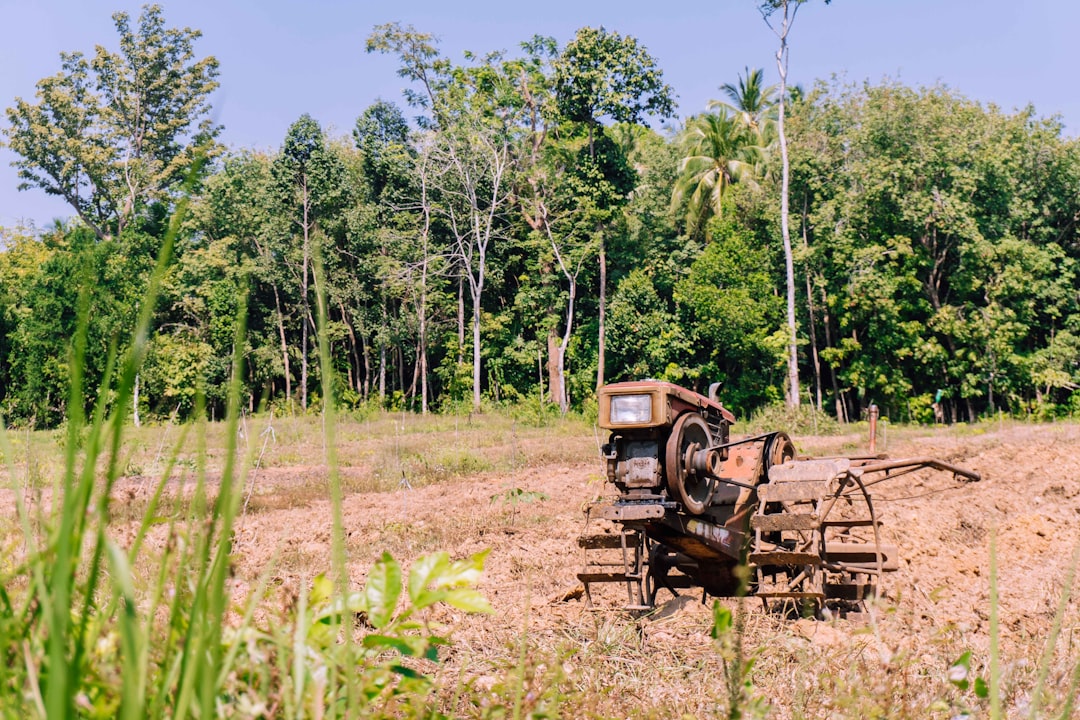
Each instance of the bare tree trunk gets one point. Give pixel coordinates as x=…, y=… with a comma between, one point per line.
x=422, y=360
x=828, y=343
x=789, y=264
x=555, y=390
x=366, y=352
x=415, y=374
x=423, y=381
x=600, y=331
x=564, y=401
x=421, y=308
x=813, y=342
x=382, y=356
x=354, y=354
x=810, y=307
x=477, y=162
x=476, y=352
x=461, y=318
x=304, y=295
x=284, y=346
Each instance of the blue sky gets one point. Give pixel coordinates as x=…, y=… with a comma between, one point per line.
x=281, y=59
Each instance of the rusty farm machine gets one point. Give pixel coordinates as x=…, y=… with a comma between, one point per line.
x=697, y=509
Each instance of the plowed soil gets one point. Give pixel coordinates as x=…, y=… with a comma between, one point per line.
x=892, y=661
x=936, y=606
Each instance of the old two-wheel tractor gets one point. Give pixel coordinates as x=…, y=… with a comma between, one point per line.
x=733, y=517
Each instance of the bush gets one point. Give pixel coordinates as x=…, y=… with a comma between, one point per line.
x=803, y=420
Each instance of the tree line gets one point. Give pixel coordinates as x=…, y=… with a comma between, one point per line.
x=526, y=235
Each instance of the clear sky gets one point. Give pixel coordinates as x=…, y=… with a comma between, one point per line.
x=280, y=59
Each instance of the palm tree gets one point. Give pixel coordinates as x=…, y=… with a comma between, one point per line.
x=752, y=101
x=718, y=150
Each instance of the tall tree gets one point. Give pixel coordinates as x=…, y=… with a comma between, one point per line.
x=787, y=10
x=238, y=214
x=387, y=162
x=420, y=63
x=311, y=182
x=473, y=181
x=112, y=134
x=752, y=100
x=602, y=75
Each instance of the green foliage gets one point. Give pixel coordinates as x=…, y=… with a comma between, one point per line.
x=938, y=262
x=718, y=150
x=803, y=420
x=112, y=134
x=93, y=628
x=923, y=216
x=605, y=74
x=728, y=301
x=644, y=336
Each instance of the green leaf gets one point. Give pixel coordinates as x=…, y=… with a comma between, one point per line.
x=982, y=690
x=468, y=600
x=960, y=670
x=383, y=590
x=421, y=575
x=722, y=620
x=408, y=672
x=463, y=573
x=322, y=589
x=389, y=642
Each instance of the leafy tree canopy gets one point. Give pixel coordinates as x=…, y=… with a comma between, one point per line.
x=113, y=133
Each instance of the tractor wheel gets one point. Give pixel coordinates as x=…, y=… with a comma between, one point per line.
x=690, y=487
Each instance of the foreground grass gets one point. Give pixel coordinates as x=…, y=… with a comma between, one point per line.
x=94, y=625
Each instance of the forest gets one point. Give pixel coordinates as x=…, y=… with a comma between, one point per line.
x=516, y=230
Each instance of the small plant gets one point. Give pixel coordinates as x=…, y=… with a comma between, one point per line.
x=961, y=676
x=803, y=420
x=728, y=632
x=362, y=653
x=517, y=496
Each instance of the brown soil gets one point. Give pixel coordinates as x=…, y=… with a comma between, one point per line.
x=935, y=607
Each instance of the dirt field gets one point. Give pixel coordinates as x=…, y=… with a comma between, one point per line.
x=935, y=608
x=608, y=664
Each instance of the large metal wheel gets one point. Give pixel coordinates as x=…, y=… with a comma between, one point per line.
x=778, y=450
x=691, y=487
x=816, y=543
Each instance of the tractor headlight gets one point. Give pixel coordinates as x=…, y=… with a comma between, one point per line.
x=631, y=409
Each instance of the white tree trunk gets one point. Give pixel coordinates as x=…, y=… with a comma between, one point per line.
x=789, y=264
x=476, y=352
x=307, y=310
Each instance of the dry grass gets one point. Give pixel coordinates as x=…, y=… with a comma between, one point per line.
x=540, y=657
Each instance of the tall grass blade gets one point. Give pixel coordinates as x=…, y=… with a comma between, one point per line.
x=224, y=513
x=995, y=661
x=55, y=598
x=340, y=560
x=1052, y=638
x=133, y=686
